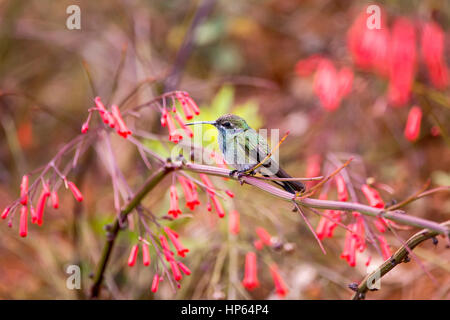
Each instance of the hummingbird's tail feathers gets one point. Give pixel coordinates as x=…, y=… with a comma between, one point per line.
x=290, y=186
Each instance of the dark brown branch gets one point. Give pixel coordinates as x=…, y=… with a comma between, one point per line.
x=398, y=257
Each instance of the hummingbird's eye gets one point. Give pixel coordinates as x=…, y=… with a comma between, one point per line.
x=226, y=124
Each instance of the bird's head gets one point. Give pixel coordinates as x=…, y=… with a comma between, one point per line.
x=227, y=122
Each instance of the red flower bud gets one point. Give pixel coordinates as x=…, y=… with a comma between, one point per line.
x=384, y=247
x=166, y=249
x=412, y=128
x=372, y=196
x=145, y=254
x=155, y=283
x=175, y=270
x=5, y=212
x=229, y=193
x=122, y=128
x=208, y=183
x=181, y=123
x=174, y=136
x=341, y=188
x=402, y=61
x=40, y=208
x=280, y=287
x=181, y=250
x=133, y=255
x=186, y=108
x=192, y=104
x=433, y=49
x=218, y=207
x=164, y=117
x=55, y=199
x=102, y=110
x=23, y=228
x=75, y=191
x=264, y=236
x=250, y=281
x=24, y=190
x=183, y=268
x=174, y=207
x=234, y=222
x=258, y=244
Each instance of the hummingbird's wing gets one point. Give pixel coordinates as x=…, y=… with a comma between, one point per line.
x=251, y=148
x=255, y=148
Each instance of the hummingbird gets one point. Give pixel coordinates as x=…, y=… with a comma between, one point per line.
x=243, y=148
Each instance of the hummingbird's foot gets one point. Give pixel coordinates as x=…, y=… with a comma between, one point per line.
x=232, y=173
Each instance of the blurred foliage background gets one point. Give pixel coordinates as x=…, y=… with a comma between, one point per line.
x=242, y=60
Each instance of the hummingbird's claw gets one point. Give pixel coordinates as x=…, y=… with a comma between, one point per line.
x=232, y=173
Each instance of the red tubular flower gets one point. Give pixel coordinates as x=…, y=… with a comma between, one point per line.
x=183, y=126
x=85, y=127
x=369, y=47
x=192, y=104
x=183, y=268
x=321, y=229
x=75, y=191
x=306, y=67
x=280, y=287
x=402, y=62
x=433, y=47
x=264, y=236
x=384, y=247
x=55, y=199
x=174, y=136
x=218, y=207
x=24, y=190
x=174, y=208
x=40, y=208
x=412, y=128
x=164, y=117
x=122, y=128
x=6, y=212
x=326, y=227
x=145, y=254
x=186, y=108
x=229, y=193
x=250, y=281
x=104, y=114
x=234, y=222
x=326, y=85
x=372, y=196
x=175, y=270
x=181, y=250
x=155, y=283
x=208, y=183
x=166, y=249
x=23, y=228
x=350, y=246
x=190, y=194
x=133, y=255
x=380, y=224
x=341, y=188
x=345, y=81
x=258, y=244
x=369, y=259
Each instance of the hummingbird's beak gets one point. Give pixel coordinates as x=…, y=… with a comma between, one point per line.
x=201, y=122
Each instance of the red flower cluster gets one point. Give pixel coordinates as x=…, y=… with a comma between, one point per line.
x=111, y=118
x=326, y=227
x=26, y=205
x=189, y=109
